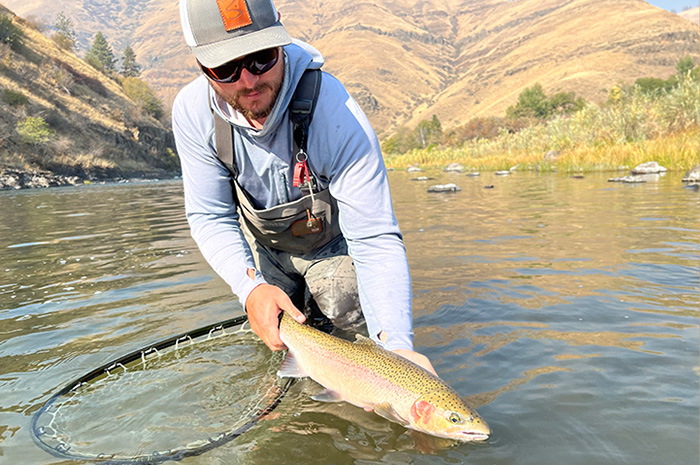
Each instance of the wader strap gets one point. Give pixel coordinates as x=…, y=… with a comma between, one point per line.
x=223, y=136
x=302, y=107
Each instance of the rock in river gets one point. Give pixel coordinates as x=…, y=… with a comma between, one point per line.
x=454, y=168
x=650, y=167
x=693, y=175
x=24, y=179
x=444, y=188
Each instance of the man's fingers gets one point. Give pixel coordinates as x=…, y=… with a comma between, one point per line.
x=417, y=358
x=296, y=314
x=269, y=333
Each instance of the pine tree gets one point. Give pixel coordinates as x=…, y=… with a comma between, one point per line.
x=129, y=66
x=100, y=55
x=65, y=34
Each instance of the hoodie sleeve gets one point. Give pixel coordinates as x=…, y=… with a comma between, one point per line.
x=209, y=201
x=358, y=181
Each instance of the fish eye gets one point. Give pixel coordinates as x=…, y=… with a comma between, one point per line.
x=455, y=418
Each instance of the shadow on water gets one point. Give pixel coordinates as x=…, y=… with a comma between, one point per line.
x=565, y=309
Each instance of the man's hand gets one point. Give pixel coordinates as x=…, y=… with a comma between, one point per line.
x=419, y=359
x=263, y=307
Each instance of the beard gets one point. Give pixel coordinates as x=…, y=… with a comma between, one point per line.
x=251, y=113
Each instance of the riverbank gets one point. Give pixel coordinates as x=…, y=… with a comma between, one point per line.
x=14, y=178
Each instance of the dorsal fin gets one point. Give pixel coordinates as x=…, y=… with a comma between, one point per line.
x=364, y=340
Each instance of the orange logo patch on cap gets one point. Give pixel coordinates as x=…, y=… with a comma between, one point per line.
x=234, y=13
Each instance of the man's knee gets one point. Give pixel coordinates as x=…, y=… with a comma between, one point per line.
x=332, y=284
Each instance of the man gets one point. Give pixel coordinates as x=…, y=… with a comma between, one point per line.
x=285, y=229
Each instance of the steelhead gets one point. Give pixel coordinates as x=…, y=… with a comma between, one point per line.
x=369, y=376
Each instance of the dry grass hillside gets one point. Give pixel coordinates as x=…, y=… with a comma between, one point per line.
x=59, y=114
x=692, y=14
x=405, y=60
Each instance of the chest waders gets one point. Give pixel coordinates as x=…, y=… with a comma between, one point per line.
x=316, y=212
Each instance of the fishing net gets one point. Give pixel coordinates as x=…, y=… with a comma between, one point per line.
x=177, y=398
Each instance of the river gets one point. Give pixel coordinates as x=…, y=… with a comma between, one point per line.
x=566, y=310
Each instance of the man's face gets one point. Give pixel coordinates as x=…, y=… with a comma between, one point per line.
x=253, y=96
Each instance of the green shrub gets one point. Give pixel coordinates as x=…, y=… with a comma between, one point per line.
x=63, y=42
x=425, y=134
x=33, y=130
x=9, y=33
x=14, y=98
x=138, y=91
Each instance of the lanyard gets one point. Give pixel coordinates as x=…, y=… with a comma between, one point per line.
x=302, y=176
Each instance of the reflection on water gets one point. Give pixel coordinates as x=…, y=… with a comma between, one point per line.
x=565, y=309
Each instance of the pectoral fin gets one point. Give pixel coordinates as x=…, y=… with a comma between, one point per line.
x=387, y=411
x=290, y=368
x=327, y=396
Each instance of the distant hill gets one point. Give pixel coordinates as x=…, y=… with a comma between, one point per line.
x=405, y=60
x=692, y=14
x=57, y=113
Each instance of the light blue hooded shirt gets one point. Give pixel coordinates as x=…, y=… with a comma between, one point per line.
x=343, y=153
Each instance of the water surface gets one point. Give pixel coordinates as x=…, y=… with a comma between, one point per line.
x=565, y=309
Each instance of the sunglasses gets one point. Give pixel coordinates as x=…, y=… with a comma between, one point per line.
x=256, y=63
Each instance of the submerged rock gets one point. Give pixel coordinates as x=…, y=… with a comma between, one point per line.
x=413, y=169
x=473, y=173
x=693, y=175
x=650, y=167
x=628, y=179
x=502, y=173
x=422, y=178
x=444, y=188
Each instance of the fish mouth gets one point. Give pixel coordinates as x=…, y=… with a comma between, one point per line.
x=474, y=436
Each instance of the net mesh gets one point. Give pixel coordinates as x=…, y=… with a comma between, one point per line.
x=192, y=395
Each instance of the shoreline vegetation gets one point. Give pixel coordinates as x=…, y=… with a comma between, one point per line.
x=676, y=152
x=637, y=124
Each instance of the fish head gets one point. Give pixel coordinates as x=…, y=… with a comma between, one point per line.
x=445, y=414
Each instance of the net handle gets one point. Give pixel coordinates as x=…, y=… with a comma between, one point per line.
x=178, y=454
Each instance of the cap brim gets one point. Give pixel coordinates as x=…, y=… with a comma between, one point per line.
x=218, y=53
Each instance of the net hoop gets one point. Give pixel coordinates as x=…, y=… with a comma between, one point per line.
x=63, y=450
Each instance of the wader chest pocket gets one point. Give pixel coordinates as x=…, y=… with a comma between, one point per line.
x=307, y=226
x=301, y=226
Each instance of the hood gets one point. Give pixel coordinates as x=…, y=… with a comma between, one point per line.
x=299, y=56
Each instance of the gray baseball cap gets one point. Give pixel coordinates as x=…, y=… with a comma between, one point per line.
x=218, y=31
